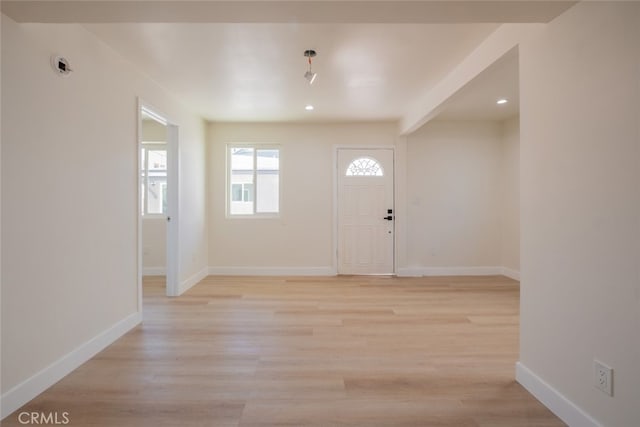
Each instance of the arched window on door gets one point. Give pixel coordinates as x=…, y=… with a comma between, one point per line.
x=364, y=166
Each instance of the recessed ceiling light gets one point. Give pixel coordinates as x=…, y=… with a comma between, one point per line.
x=308, y=107
x=501, y=101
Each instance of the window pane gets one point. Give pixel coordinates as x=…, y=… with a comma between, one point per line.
x=268, y=159
x=268, y=192
x=241, y=181
x=247, y=194
x=236, y=192
x=242, y=159
x=157, y=159
x=156, y=194
x=268, y=165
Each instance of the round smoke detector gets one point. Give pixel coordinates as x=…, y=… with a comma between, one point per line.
x=60, y=65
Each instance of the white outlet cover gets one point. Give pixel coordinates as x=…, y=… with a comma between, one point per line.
x=603, y=377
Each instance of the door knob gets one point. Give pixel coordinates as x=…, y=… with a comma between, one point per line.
x=388, y=218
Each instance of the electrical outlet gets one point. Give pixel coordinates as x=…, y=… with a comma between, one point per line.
x=603, y=377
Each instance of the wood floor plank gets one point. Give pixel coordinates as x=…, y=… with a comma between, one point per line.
x=310, y=351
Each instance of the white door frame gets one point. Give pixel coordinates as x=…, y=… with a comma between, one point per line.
x=173, y=210
x=173, y=236
x=336, y=148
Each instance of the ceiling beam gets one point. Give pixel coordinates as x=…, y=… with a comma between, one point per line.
x=501, y=41
x=323, y=11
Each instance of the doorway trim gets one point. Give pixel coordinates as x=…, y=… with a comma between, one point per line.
x=336, y=171
x=173, y=187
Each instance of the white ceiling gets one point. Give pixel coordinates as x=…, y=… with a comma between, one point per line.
x=254, y=72
x=243, y=60
x=477, y=100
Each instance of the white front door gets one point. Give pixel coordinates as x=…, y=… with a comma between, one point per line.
x=365, y=211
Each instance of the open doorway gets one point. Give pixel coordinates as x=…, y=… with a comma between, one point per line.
x=158, y=197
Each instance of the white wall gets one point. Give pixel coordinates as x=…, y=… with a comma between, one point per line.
x=580, y=172
x=301, y=239
x=154, y=246
x=69, y=264
x=153, y=131
x=456, y=192
x=458, y=214
x=193, y=224
x=510, y=206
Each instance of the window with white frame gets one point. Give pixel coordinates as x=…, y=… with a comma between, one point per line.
x=253, y=180
x=153, y=174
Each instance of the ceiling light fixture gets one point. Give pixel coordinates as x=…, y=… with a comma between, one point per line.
x=310, y=75
x=501, y=101
x=309, y=107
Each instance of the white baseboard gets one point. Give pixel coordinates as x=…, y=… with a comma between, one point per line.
x=272, y=271
x=330, y=271
x=33, y=386
x=448, y=271
x=154, y=271
x=193, y=280
x=557, y=403
x=457, y=271
x=510, y=273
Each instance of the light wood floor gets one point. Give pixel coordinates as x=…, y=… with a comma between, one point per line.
x=346, y=351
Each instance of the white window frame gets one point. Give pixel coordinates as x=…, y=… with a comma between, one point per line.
x=144, y=179
x=228, y=195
